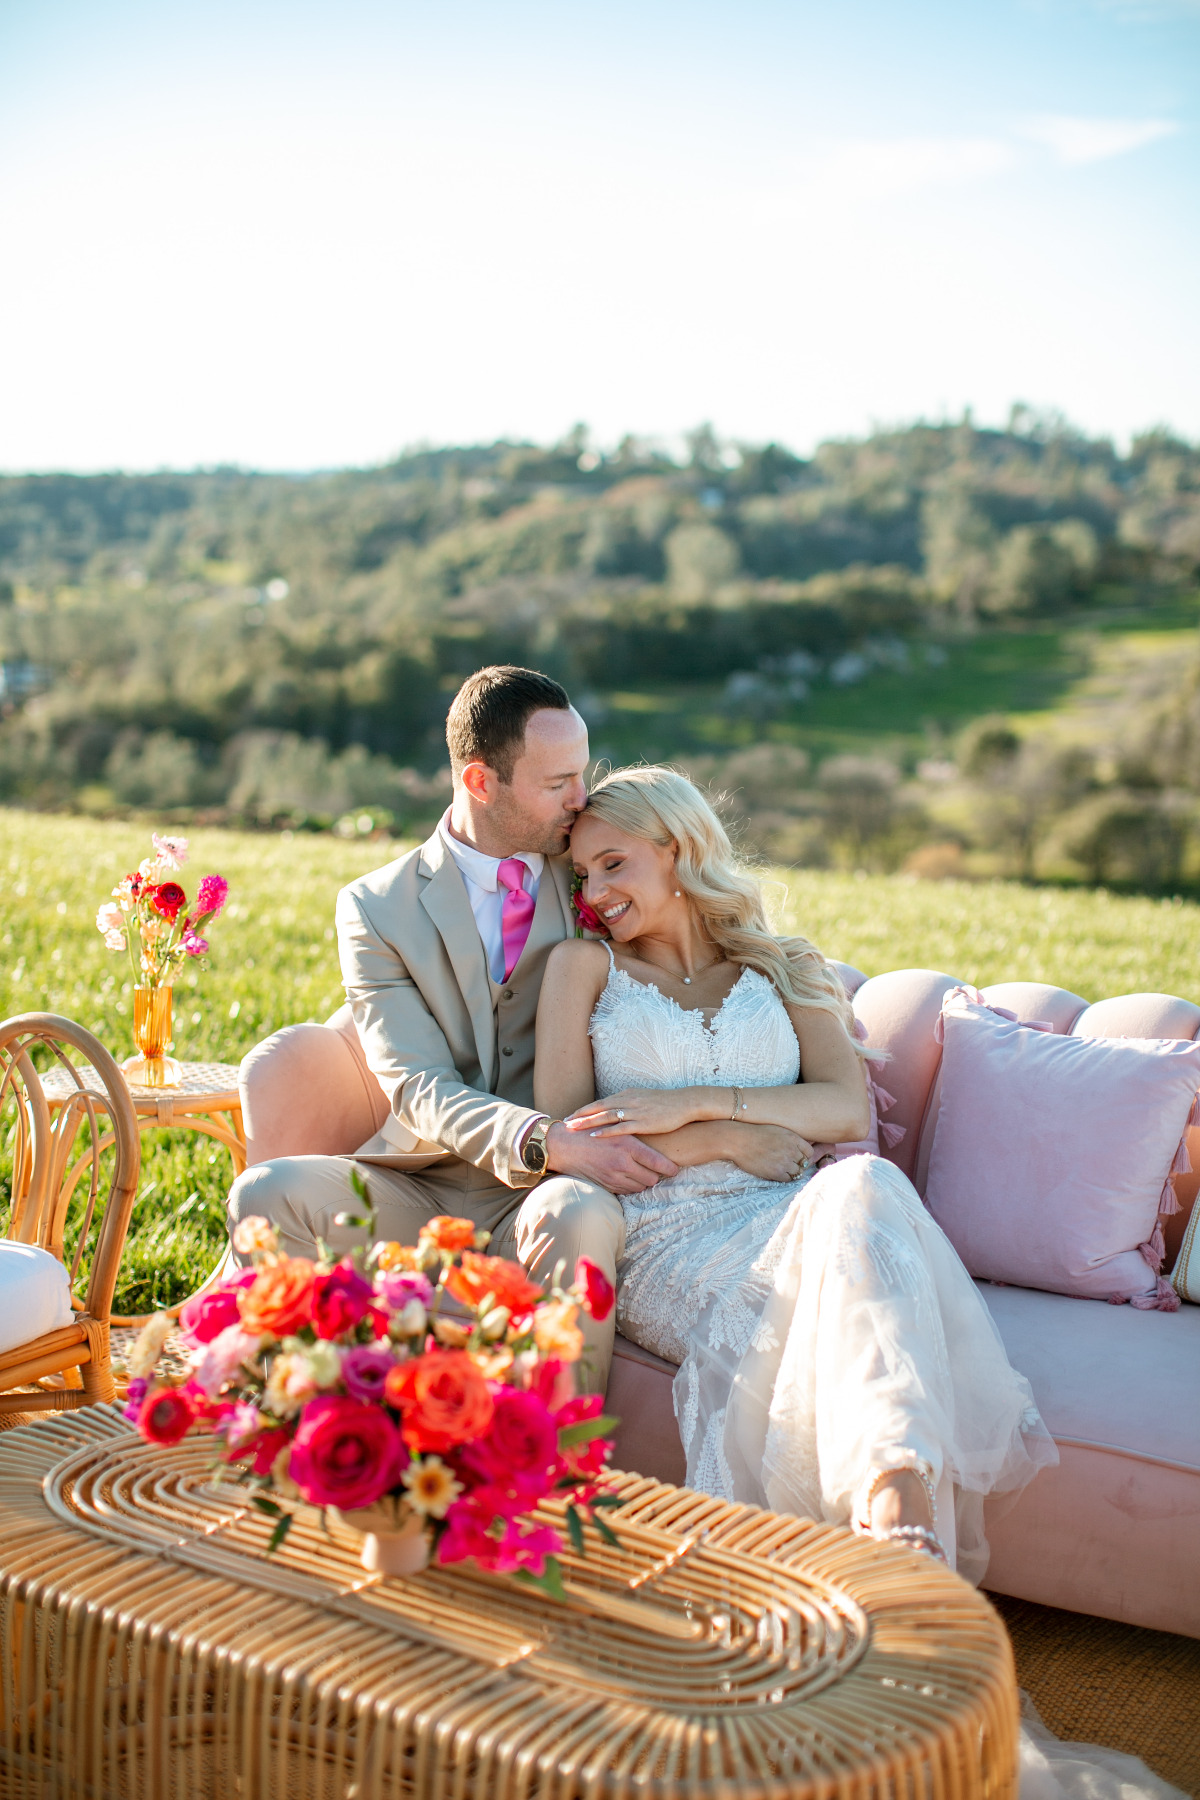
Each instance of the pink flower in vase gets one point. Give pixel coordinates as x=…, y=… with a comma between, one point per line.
x=195, y=946
x=211, y=896
x=346, y=1453
x=341, y=1297
x=173, y=851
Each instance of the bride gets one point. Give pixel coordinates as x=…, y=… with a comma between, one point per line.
x=836, y=1360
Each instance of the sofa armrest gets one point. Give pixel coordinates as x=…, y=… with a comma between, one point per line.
x=307, y=1091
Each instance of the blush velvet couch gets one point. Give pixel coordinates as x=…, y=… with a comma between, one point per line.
x=1114, y=1530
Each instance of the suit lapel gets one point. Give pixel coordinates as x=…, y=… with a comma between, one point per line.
x=444, y=897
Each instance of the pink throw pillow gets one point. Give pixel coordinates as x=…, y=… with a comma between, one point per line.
x=1052, y=1155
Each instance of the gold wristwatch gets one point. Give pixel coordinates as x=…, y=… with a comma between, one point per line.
x=533, y=1150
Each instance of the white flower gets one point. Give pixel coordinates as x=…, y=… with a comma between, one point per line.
x=148, y=1345
x=254, y=1233
x=110, y=917
x=290, y=1384
x=281, y=1480
x=410, y=1319
x=322, y=1360
x=172, y=851
x=114, y=940
x=432, y=1488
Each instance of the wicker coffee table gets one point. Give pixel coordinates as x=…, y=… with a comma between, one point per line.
x=149, y=1648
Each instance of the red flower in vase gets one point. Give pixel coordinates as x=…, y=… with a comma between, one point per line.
x=168, y=899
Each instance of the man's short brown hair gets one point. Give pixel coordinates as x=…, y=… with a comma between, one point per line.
x=487, y=718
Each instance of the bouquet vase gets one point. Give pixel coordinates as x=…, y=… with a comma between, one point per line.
x=390, y=1546
x=152, y=1067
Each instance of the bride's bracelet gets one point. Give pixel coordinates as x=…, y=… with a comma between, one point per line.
x=919, y=1536
x=739, y=1105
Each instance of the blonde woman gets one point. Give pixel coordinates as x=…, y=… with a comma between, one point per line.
x=835, y=1358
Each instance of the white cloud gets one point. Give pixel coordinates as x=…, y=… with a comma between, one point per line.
x=1076, y=140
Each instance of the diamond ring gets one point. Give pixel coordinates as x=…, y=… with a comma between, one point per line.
x=620, y=1114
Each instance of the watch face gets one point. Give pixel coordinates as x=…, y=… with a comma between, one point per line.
x=534, y=1156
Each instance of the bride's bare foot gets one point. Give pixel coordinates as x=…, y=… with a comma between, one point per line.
x=900, y=1509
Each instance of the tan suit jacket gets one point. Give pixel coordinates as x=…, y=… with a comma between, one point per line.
x=452, y=1050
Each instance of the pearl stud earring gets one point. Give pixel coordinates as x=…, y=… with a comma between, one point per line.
x=678, y=895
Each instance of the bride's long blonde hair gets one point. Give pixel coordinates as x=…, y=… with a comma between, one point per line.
x=659, y=805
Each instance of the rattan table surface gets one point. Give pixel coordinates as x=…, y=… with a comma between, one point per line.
x=149, y=1648
x=202, y=1086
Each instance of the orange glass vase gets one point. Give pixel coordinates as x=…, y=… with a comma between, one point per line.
x=152, y=1067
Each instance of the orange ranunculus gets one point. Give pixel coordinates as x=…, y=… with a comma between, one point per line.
x=280, y=1299
x=443, y=1399
x=495, y=1275
x=449, y=1233
x=555, y=1332
x=397, y=1256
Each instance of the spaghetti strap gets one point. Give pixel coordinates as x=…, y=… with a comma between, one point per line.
x=612, y=961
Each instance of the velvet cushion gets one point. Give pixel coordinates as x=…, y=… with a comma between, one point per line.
x=35, y=1294
x=1050, y=1153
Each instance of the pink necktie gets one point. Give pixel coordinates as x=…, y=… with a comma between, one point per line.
x=517, y=912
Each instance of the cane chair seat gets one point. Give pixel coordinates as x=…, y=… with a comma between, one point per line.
x=70, y=1200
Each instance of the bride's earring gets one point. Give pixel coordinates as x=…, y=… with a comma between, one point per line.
x=678, y=895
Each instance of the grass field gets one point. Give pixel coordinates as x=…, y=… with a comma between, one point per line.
x=274, y=962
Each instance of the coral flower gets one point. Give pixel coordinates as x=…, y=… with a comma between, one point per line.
x=506, y=1281
x=449, y=1233
x=254, y=1233
x=555, y=1332
x=396, y=1256
x=167, y=1415
x=280, y=1300
x=443, y=1398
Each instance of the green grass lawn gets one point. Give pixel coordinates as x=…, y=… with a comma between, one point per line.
x=274, y=962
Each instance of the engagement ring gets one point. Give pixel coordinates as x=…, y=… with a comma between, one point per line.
x=620, y=1114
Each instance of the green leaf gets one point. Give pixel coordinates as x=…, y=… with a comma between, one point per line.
x=281, y=1530
x=357, y=1182
x=264, y=1505
x=586, y=1430
x=607, y=1533
x=550, y=1583
x=575, y=1531
x=608, y=1500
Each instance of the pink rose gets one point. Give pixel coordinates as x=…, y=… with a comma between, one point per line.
x=211, y=1367
x=340, y=1298
x=553, y=1381
x=397, y=1287
x=521, y=1444
x=588, y=917
x=206, y=1316
x=365, y=1370
x=345, y=1453
x=594, y=1287
x=210, y=896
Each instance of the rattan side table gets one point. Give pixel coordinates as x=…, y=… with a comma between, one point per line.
x=149, y=1648
x=206, y=1100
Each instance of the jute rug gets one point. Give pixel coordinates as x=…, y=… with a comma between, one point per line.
x=1097, y=1682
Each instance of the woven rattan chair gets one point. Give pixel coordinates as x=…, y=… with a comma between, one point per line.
x=68, y=1366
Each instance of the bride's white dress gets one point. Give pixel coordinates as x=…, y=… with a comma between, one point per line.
x=824, y=1329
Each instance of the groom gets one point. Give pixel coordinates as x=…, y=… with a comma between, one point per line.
x=442, y=954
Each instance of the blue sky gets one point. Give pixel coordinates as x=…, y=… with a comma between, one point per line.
x=301, y=235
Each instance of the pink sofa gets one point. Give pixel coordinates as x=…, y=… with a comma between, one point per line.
x=1114, y=1529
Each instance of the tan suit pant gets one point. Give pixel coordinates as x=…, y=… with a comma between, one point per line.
x=559, y=1220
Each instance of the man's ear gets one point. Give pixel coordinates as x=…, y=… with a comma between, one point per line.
x=479, y=781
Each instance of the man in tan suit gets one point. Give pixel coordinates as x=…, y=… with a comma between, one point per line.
x=442, y=954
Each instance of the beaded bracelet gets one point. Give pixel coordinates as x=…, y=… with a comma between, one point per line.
x=918, y=1467
x=919, y=1536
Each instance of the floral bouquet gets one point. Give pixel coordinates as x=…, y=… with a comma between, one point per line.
x=343, y=1385
x=150, y=907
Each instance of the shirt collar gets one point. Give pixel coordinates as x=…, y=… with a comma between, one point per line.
x=481, y=869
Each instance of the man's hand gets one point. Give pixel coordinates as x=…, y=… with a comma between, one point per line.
x=623, y=1165
x=771, y=1152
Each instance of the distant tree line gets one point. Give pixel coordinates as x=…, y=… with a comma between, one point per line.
x=263, y=647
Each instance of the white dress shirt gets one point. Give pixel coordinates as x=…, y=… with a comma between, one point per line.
x=481, y=875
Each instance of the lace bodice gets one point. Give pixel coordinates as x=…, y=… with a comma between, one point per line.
x=641, y=1038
